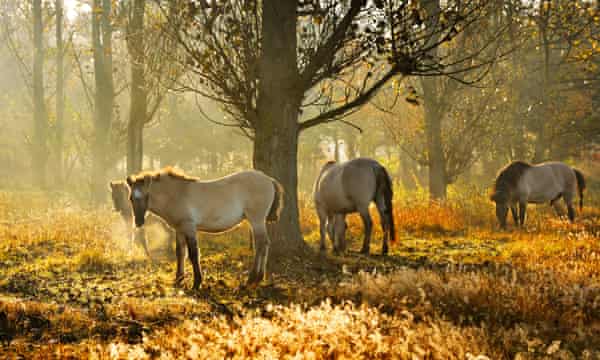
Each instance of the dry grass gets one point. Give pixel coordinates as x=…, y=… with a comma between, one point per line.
x=453, y=287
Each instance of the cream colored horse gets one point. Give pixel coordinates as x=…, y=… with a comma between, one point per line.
x=120, y=191
x=520, y=183
x=188, y=205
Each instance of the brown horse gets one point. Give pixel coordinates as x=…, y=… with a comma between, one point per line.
x=188, y=205
x=520, y=183
x=120, y=196
x=350, y=187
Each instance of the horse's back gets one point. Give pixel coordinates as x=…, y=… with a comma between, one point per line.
x=359, y=179
x=547, y=181
x=345, y=186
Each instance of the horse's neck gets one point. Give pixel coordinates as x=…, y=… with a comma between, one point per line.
x=161, y=194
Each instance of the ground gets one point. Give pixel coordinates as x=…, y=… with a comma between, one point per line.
x=454, y=286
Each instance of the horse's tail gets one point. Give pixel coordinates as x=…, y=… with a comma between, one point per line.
x=580, y=186
x=385, y=191
x=277, y=204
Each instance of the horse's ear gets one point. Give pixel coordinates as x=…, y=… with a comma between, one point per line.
x=129, y=180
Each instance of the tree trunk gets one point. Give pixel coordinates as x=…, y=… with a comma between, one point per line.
x=276, y=130
x=336, y=147
x=520, y=148
x=60, y=93
x=406, y=171
x=540, y=142
x=138, y=106
x=103, y=97
x=433, y=132
x=40, y=121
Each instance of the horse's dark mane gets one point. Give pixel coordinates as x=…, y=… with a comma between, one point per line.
x=509, y=176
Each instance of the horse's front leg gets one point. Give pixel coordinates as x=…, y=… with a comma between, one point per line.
x=522, y=211
x=261, y=253
x=140, y=237
x=368, y=223
x=180, y=244
x=568, y=198
x=515, y=214
x=322, y=230
x=339, y=233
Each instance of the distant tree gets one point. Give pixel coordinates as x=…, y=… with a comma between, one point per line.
x=60, y=91
x=40, y=117
x=152, y=69
x=104, y=93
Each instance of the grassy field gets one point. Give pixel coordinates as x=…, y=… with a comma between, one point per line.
x=453, y=287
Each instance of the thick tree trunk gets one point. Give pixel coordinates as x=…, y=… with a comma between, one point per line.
x=276, y=129
x=433, y=120
x=40, y=133
x=138, y=106
x=433, y=132
x=104, y=96
x=60, y=93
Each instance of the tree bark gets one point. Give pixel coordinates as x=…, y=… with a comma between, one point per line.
x=437, y=164
x=138, y=106
x=433, y=119
x=406, y=171
x=540, y=142
x=104, y=96
x=40, y=120
x=60, y=93
x=520, y=149
x=276, y=131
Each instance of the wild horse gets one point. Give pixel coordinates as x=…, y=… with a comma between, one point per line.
x=188, y=205
x=520, y=183
x=348, y=187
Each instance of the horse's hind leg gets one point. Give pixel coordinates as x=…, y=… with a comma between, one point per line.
x=261, y=253
x=368, y=223
x=568, y=198
x=385, y=225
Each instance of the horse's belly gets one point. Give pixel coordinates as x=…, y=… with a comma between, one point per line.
x=221, y=222
x=542, y=197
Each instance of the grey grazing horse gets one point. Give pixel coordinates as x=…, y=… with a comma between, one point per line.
x=350, y=187
x=520, y=183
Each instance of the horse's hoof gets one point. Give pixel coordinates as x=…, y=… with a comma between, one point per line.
x=179, y=281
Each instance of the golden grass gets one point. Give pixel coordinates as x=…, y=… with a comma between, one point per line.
x=453, y=287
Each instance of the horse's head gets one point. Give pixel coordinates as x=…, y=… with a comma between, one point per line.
x=139, y=197
x=501, y=201
x=119, y=192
